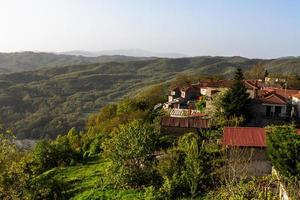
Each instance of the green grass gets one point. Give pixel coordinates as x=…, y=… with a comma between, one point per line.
x=84, y=182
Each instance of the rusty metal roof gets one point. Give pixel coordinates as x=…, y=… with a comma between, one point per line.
x=244, y=137
x=189, y=122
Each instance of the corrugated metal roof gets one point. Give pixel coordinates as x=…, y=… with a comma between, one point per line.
x=185, y=122
x=244, y=137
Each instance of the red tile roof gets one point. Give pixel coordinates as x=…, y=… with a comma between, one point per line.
x=244, y=137
x=250, y=84
x=185, y=122
x=225, y=84
x=297, y=96
x=274, y=98
x=286, y=93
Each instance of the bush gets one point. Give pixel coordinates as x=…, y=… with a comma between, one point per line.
x=60, y=152
x=44, y=187
x=284, y=149
x=131, y=150
x=188, y=169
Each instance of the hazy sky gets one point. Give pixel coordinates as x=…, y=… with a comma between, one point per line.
x=252, y=28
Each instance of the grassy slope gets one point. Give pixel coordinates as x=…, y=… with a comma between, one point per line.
x=84, y=182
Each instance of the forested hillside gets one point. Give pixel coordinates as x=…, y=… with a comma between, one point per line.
x=25, y=61
x=50, y=100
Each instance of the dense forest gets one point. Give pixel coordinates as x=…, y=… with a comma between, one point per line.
x=60, y=91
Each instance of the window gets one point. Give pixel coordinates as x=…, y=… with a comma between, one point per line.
x=277, y=110
x=268, y=111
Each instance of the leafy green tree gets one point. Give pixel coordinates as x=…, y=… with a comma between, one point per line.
x=13, y=180
x=236, y=99
x=284, y=149
x=63, y=151
x=130, y=150
x=188, y=169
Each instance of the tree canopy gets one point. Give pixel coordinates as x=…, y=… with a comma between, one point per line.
x=236, y=99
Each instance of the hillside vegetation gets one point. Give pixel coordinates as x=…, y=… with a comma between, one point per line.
x=50, y=100
x=25, y=61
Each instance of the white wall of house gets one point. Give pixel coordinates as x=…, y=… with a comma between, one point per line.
x=183, y=94
x=251, y=93
x=203, y=91
x=296, y=102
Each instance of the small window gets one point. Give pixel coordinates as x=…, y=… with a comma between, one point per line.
x=268, y=111
x=277, y=110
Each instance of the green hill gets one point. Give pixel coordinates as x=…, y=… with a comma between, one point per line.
x=25, y=61
x=50, y=100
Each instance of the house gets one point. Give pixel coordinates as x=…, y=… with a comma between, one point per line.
x=247, y=145
x=273, y=106
x=210, y=89
x=182, y=97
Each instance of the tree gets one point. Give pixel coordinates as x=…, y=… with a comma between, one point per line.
x=236, y=99
x=188, y=168
x=256, y=72
x=12, y=177
x=131, y=149
x=284, y=149
x=194, y=166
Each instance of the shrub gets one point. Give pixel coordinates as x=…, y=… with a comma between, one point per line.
x=131, y=150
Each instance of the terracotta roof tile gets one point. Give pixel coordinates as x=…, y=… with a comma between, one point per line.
x=274, y=98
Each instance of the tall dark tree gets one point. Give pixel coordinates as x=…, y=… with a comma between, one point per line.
x=266, y=74
x=236, y=99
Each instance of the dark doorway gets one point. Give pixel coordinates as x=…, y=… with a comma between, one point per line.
x=268, y=111
x=277, y=111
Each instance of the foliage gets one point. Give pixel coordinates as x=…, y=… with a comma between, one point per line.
x=44, y=187
x=235, y=101
x=200, y=105
x=12, y=177
x=261, y=188
x=188, y=169
x=284, y=149
x=63, y=151
x=257, y=71
x=131, y=150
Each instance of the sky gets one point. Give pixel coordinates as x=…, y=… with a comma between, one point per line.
x=250, y=28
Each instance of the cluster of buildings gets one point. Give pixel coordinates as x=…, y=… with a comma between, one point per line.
x=271, y=103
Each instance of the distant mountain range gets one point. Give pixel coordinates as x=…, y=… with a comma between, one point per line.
x=124, y=52
x=27, y=61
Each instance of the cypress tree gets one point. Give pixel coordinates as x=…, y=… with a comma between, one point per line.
x=236, y=99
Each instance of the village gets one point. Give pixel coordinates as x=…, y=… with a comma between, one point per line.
x=191, y=109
